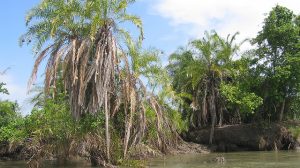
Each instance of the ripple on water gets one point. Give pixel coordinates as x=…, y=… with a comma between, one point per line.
x=280, y=159
x=290, y=159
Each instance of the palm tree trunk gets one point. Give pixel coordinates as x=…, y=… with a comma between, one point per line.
x=213, y=114
x=128, y=121
x=107, y=133
x=204, y=106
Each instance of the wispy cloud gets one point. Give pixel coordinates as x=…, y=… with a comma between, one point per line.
x=224, y=16
x=16, y=91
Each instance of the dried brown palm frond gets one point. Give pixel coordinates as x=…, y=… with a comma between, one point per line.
x=88, y=72
x=98, y=78
x=97, y=74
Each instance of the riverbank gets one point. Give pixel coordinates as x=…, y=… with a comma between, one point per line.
x=246, y=137
x=258, y=159
x=19, y=152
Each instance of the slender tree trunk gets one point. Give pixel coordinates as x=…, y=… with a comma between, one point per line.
x=213, y=114
x=128, y=126
x=204, y=106
x=238, y=119
x=128, y=120
x=221, y=117
x=107, y=134
x=282, y=110
x=275, y=111
x=198, y=124
x=191, y=118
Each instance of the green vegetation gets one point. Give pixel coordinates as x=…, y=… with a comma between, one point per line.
x=94, y=103
x=259, y=84
x=10, y=122
x=3, y=90
x=295, y=131
x=277, y=62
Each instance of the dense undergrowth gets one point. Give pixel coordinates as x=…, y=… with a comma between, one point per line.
x=50, y=132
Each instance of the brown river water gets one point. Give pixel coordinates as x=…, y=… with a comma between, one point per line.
x=281, y=159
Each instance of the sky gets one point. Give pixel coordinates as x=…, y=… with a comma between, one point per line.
x=168, y=24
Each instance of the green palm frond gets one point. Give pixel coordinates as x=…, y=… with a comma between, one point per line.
x=100, y=63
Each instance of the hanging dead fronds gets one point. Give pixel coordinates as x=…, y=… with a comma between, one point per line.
x=98, y=78
x=97, y=74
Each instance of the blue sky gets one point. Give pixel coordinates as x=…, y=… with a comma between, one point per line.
x=19, y=60
x=168, y=24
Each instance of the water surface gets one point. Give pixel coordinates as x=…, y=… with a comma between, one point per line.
x=286, y=159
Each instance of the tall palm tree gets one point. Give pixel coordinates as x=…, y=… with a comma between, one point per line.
x=199, y=71
x=85, y=36
x=99, y=62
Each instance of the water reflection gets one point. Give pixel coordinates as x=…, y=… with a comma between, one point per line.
x=47, y=164
x=290, y=159
x=280, y=159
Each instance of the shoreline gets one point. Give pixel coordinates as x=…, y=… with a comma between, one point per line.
x=228, y=138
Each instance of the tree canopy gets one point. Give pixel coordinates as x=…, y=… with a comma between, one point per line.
x=277, y=61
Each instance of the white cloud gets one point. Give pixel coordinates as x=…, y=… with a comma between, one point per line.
x=224, y=16
x=16, y=92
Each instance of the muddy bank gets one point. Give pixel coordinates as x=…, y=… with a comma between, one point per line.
x=246, y=137
x=142, y=152
x=14, y=151
x=139, y=152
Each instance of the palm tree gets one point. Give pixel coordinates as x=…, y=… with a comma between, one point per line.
x=85, y=37
x=199, y=72
x=97, y=60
